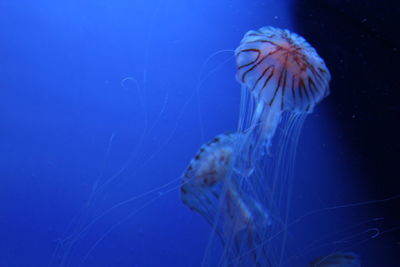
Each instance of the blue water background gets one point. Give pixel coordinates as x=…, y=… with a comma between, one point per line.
x=90, y=89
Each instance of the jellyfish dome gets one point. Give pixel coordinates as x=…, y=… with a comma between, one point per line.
x=279, y=71
x=203, y=179
x=347, y=259
x=281, y=68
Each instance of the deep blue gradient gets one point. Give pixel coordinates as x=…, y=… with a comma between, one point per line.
x=95, y=89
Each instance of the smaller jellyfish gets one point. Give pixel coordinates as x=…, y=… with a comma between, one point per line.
x=279, y=71
x=348, y=259
x=239, y=220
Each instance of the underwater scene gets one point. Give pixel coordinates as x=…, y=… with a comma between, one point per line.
x=184, y=133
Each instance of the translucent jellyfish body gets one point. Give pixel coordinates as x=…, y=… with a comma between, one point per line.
x=238, y=219
x=279, y=71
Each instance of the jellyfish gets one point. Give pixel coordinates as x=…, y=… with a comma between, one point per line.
x=279, y=71
x=348, y=259
x=239, y=220
x=282, y=78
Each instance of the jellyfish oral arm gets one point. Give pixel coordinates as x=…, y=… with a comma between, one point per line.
x=266, y=119
x=257, y=137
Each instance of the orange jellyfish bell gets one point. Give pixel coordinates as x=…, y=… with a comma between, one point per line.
x=202, y=181
x=281, y=68
x=279, y=71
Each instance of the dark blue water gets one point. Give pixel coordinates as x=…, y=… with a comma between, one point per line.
x=103, y=101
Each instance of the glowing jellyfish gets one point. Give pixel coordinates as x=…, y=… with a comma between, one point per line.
x=239, y=220
x=226, y=182
x=279, y=71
